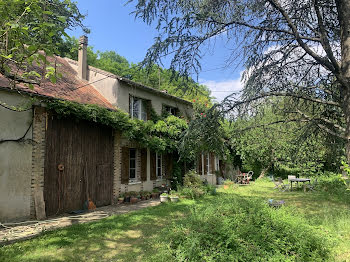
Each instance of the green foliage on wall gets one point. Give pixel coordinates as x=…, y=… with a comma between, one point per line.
x=161, y=135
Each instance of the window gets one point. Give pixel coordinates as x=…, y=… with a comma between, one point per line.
x=207, y=163
x=159, y=165
x=132, y=164
x=217, y=163
x=138, y=108
x=170, y=110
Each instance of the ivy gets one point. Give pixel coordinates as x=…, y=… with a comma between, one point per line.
x=162, y=135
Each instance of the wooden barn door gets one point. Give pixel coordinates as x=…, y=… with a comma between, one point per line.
x=78, y=165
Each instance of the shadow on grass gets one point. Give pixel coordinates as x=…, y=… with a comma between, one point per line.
x=121, y=237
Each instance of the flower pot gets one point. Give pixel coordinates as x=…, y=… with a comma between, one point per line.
x=133, y=200
x=225, y=186
x=120, y=200
x=127, y=199
x=155, y=195
x=164, y=198
x=174, y=198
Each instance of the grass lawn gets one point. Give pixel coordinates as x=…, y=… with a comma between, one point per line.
x=130, y=237
x=328, y=212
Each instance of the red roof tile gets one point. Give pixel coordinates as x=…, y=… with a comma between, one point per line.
x=67, y=87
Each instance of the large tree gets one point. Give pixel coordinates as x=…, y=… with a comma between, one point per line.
x=30, y=30
x=294, y=48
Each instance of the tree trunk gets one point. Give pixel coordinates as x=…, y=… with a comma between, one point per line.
x=263, y=172
x=343, y=7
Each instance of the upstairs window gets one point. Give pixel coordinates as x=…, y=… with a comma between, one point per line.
x=138, y=108
x=170, y=110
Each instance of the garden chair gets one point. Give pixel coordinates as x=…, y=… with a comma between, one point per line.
x=291, y=177
x=249, y=176
x=277, y=184
x=312, y=187
x=283, y=186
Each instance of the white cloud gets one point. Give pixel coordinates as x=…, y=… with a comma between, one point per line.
x=223, y=88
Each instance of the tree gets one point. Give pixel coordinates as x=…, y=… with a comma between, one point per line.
x=283, y=146
x=31, y=30
x=294, y=48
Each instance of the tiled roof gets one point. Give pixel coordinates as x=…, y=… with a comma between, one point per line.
x=133, y=83
x=68, y=87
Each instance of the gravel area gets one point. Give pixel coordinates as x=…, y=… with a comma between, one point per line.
x=10, y=233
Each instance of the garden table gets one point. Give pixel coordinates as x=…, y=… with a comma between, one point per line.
x=297, y=180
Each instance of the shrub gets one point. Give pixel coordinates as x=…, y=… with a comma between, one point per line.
x=194, y=192
x=192, y=180
x=234, y=229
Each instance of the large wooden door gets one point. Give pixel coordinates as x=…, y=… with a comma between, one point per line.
x=78, y=165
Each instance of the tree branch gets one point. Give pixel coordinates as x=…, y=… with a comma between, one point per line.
x=324, y=37
x=263, y=95
x=323, y=61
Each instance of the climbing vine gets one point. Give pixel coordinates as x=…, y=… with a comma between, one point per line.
x=161, y=135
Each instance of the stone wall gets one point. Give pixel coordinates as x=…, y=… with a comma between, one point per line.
x=38, y=155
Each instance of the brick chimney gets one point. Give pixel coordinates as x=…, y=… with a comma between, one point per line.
x=82, y=57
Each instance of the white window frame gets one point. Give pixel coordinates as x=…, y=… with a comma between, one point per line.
x=134, y=168
x=217, y=163
x=142, y=114
x=169, y=109
x=208, y=164
x=159, y=167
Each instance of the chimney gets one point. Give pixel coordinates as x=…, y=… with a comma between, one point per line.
x=82, y=57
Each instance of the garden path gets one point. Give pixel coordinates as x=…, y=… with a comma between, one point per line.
x=10, y=233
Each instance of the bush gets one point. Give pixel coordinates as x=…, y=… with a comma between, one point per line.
x=194, y=186
x=331, y=183
x=234, y=229
x=192, y=180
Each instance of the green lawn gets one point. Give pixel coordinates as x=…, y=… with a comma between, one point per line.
x=130, y=237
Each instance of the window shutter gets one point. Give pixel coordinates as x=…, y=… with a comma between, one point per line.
x=153, y=166
x=169, y=165
x=199, y=164
x=143, y=164
x=149, y=109
x=212, y=163
x=205, y=163
x=125, y=165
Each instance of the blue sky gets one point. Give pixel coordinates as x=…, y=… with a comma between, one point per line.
x=114, y=28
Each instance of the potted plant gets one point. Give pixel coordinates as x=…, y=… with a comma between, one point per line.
x=228, y=184
x=121, y=198
x=155, y=193
x=164, y=197
x=133, y=197
x=174, y=197
x=127, y=197
x=143, y=195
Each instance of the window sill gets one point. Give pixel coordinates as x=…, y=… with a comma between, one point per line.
x=134, y=182
x=159, y=179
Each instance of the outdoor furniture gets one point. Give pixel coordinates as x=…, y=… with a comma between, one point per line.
x=297, y=180
x=277, y=184
x=241, y=178
x=244, y=178
x=312, y=186
x=283, y=186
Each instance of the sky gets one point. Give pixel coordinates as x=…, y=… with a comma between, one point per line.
x=114, y=28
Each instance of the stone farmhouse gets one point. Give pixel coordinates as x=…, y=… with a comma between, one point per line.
x=51, y=165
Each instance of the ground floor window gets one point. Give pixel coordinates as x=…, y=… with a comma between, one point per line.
x=132, y=164
x=159, y=165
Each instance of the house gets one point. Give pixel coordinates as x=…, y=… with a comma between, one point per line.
x=51, y=164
